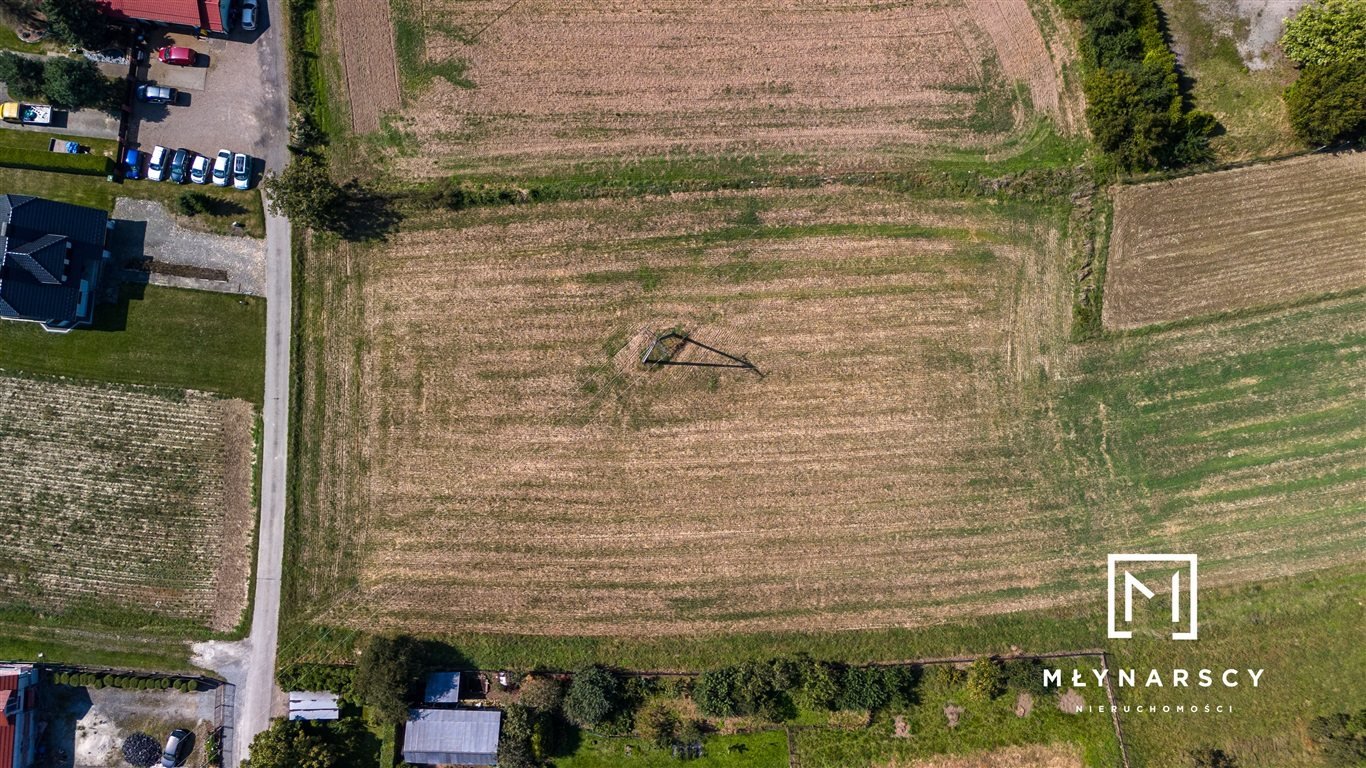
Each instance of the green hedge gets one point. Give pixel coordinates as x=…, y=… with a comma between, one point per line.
x=1135, y=108
x=41, y=160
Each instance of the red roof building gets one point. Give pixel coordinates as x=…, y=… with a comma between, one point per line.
x=197, y=14
x=18, y=700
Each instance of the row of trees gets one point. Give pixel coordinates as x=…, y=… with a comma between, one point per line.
x=65, y=83
x=1327, y=40
x=1135, y=106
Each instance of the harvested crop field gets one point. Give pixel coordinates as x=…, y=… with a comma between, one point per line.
x=1032, y=756
x=119, y=501
x=368, y=61
x=488, y=454
x=1219, y=242
x=555, y=82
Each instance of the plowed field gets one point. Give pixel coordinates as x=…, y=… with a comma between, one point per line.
x=1218, y=242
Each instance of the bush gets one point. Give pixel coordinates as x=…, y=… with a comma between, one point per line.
x=543, y=694
x=141, y=750
x=985, y=680
x=1024, y=676
x=1134, y=103
x=594, y=696
x=1208, y=757
x=77, y=84
x=1327, y=104
x=317, y=677
x=1326, y=32
x=1341, y=737
x=658, y=725
x=190, y=203
x=820, y=686
x=77, y=22
x=23, y=77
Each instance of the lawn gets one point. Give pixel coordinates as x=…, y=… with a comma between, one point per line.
x=767, y=749
x=166, y=337
x=29, y=149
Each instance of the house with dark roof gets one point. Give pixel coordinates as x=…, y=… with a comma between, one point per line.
x=18, y=702
x=52, y=256
x=210, y=15
x=452, y=737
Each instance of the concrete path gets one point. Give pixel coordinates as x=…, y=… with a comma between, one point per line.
x=250, y=664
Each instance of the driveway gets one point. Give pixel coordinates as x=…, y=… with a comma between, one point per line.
x=145, y=230
x=91, y=123
x=224, y=101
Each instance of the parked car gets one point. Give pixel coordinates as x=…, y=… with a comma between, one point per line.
x=199, y=170
x=156, y=94
x=177, y=55
x=180, y=163
x=156, y=165
x=222, y=168
x=132, y=164
x=249, y=15
x=174, y=754
x=241, y=171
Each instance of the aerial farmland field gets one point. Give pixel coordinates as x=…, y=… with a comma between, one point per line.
x=122, y=502
x=524, y=89
x=923, y=445
x=1219, y=242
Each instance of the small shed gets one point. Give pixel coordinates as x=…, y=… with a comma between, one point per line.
x=452, y=737
x=313, y=705
x=442, y=688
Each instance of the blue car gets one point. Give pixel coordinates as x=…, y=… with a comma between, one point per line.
x=132, y=164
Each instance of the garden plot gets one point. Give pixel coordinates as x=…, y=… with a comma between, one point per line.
x=123, y=500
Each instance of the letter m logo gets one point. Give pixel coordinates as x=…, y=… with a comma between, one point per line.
x=1123, y=584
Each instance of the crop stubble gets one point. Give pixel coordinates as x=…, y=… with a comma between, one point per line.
x=559, y=82
x=118, y=498
x=1255, y=236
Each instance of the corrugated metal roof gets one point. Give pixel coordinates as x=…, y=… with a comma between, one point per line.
x=200, y=14
x=452, y=736
x=442, y=688
x=313, y=705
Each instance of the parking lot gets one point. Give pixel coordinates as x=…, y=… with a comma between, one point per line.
x=220, y=101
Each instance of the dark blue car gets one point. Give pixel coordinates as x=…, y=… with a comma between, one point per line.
x=132, y=164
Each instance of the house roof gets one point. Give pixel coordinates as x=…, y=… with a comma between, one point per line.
x=442, y=688
x=452, y=737
x=50, y=259
x=200, y=14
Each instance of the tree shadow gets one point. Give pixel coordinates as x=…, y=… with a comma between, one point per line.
x=365, y=215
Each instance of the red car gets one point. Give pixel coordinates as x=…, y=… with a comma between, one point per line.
x=177, y=55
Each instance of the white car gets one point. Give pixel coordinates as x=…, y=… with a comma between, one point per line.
x=199, y=170
x=241, y=171
x=249, y=15
x=156, y=165
x=222, y=168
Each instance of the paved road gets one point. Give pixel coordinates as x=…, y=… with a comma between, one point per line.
x=250, y=664
x=255, y=697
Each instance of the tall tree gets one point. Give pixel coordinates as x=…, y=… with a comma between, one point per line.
x=306, y=194
x=22, y=76
x=388, y=675
x=1327, y=104
x=77, y=84
x=77, y=22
